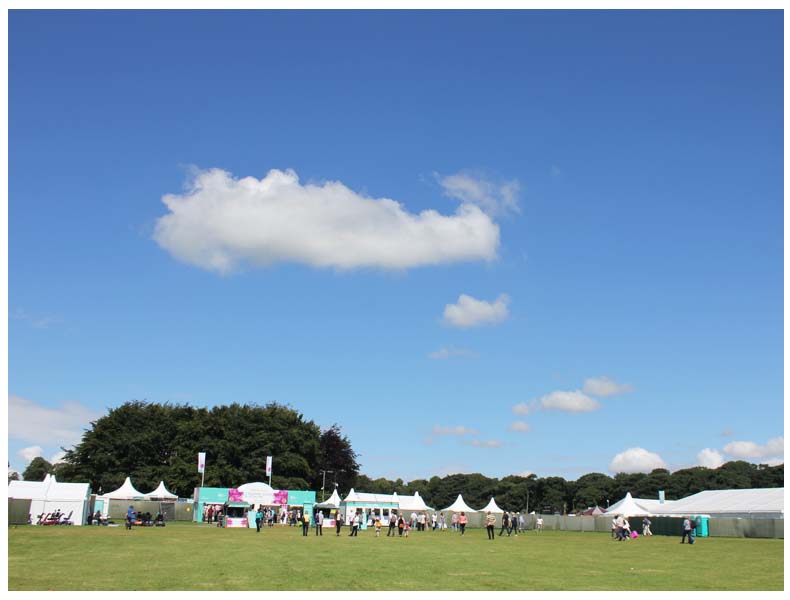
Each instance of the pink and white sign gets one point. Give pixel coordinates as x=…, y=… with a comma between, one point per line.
x=281, y=497
x=235, y=495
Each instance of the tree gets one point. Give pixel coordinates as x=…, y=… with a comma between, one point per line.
x=37, y=470
x=592, y=489
x=335, y=455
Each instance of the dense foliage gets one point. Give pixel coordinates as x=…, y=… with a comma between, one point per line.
x=160, y=442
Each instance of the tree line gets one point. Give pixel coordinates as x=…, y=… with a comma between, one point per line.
x=152, y=442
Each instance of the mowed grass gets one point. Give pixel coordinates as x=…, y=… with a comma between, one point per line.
x=184, y=556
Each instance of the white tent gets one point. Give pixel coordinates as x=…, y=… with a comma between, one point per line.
x=492, y=507
x=50, y=495
x=161, y=493
x=459, y=506
x=413, y=503
x=628, y=507
x=126, y=492
x=257, y=493
x=332, y=502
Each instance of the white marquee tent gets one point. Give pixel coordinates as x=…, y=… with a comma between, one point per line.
x=257, y=493
x=762, y=503
x=50, y=495
x=332, y=502
x=492, y=507
x=161, y=493
x=629, y=507
x=459, y=506
x=413, y=503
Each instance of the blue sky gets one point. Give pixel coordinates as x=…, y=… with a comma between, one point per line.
x=545, y=242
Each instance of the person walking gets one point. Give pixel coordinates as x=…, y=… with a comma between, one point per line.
x=377, y=525
x=338, y=523
x=130, y=518
x=355, y=526
x=442, y=522
x=305, y=523
x=462, y=522
x=687, y=531
x=258, y=519
x=490, y=522
x=521, y=522
x=515, y=524
x=434, y=522
x=646, y=526
x=614, y=527
x=401, y=524
x=455, y=522
x=539, y=524
x=319, y=523
x=626, y=528
x=505, y=521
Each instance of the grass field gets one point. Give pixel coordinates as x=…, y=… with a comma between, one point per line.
x=185, y=556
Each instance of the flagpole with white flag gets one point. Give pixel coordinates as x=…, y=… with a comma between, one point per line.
x=269, y=469
x=202, y=467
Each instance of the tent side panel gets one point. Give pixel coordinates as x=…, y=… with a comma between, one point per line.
x=18, y=511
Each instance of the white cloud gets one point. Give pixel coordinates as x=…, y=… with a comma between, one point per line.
x=457, y=430
x=636, y=460
x=222, y=222
x=522, y=408
x=520, y=426
x=470, y=312
x=57, y=457
x=485, y=444
x=494, y=198
x=573, y=402
x=38, y=321
x=710, y=457
x=604, y=387
x=46, y=426
x=31, y=452
x=444, y=353
x=775, y=447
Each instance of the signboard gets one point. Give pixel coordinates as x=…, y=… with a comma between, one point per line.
x=268, y=466
x=236, y=522
x=201, y=462
x=281, y=497
x=235, y=495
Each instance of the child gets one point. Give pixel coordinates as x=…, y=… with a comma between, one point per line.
x=377, y=524
x=406, y=528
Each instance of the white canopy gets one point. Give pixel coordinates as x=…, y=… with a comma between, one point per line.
x=459, y=506
x=257, y=492
x=125, y=492
x=628, y=507
x=161, y=493
x=371, y=498
x=332, y=502
x=492, y=507
x=413, y=503
x=50, y=495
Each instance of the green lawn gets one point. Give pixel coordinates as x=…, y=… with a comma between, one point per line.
x=185, y=556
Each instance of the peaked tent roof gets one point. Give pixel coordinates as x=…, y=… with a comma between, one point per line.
x=756, y=501
x=371, y=498
x=49, y=490
x=492, y=507
x=459, y=506
x=414, y=502
x=628, y=507
x=332, y=502
x=161, y=492
x=125, y=492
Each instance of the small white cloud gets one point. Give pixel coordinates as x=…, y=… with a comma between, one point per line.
x=604, y=387
x=222, y=222
x=457, y=430
x=485, y=444
x=522, y=408
x=28, y=454
x=710, y=457
x=520, y=426
x=471, y=312
x=493, y=198
x=57, y=457
x=572, y=402
x=636, y=460
x=775, y=447
x=445, y=353
x=38, y=321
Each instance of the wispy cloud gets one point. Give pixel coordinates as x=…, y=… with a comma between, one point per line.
x=38, y=321
x=221, y=222
x=524, y=408
x=485, y=443
x=471, y=312
x=774, y=448
x=492, y=197
x=456, y=430
x=31, y=452
x=450, y=352
x=710, y=457
x=604, y=387
x=45, y=426
x=520, y=426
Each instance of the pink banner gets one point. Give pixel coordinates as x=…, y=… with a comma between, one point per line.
x=235, y=495
x=281, y=497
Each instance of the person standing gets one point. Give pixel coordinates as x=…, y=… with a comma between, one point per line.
x=521, y=522
x=401, y=524
x=392, y=524
x=319, y=523
x=539, y=524
x=355, y=526
x=434, y=522
x=305, y=523
x=515, y=523
x=210, y=514
x=406, y=528
x=462, y=522
x=505, y=521
x=338, y=522
x=377, y=525
x=130, y=518
x=442, y=522
x=455, y=522
x=258, y=519
x=686, y=531
x=626, y=528
x=490, y=522
x=614, y=526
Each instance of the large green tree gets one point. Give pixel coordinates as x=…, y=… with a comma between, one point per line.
x=37, y=469
x=337, y=462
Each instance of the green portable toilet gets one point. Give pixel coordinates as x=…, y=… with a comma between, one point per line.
x=702, y=526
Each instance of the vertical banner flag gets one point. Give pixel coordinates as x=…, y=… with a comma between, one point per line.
x=201, y=462
x=268, y=466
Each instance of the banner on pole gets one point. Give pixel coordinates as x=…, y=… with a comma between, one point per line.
x=201, y=462
x=268, y=466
